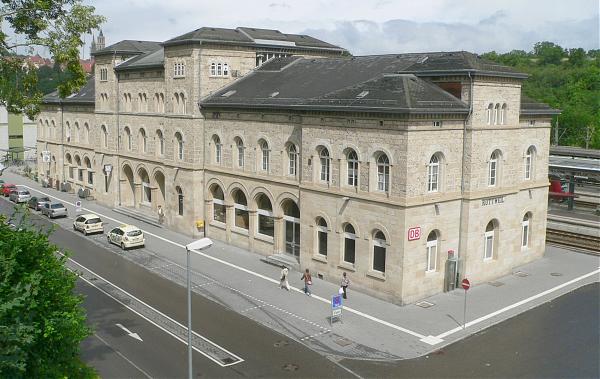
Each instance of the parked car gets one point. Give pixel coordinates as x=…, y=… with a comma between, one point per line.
x=126, y=236
x=7, y=188
x=54, y=209
x=19, y=196
x=37, y=202
x=1, y=184
x=88, y=223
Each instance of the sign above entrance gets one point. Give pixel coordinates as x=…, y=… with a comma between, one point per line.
x=107, y=168
x=46, y=156
x=492, y=201
x=414, y=233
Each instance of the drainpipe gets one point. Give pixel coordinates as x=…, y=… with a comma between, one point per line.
x=461, y=267
x=62, y=140
x=118, y=168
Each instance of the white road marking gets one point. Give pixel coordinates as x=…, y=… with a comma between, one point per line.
x=130, y=333
x=123, y=356
x=157, y=311
x=519, y=303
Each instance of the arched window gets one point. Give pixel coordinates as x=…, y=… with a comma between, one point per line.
x=493, y=169
x=68, y=132
x=77, y=132
x=128, y=137
x=321, y=236
x=240, y=151
x=225, y=69
x=143, y=141
x=104, y=137
x=352, y=160
x=266, y=223
x=90, y=173
x=41, y=128
x=325, y=168
x=219, y=213
x=525, y=235
x=213, y=69
x=176, y=103
x=496, y=114
x=156, y=103
x=349, y=244
x=160, y=143
x=240, y=205
x=86, y=133
x=70, y=164
x=433, y=172
x=292, y=153
x=162, y=103
x=488, y=249
x=79, y=168
x=182, y=106
x=503, y=114
x=383, y=173
x=265, y=154
x=217, y=149
x=379, y=247
x=489, y=113
x=179, y=200
x=219, y=69
x=529, y=162
x=179, y=140
x=53, y=129
x=432, y=251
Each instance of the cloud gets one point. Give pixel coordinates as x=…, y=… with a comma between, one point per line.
x=279, y=5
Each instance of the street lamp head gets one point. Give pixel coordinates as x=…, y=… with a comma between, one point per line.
x=200, y=244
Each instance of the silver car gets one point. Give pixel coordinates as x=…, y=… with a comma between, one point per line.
x=19, y=196
x=54, y=209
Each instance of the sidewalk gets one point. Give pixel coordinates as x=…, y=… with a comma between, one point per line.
x=371, y=328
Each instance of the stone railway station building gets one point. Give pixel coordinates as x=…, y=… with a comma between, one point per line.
x=394, y=168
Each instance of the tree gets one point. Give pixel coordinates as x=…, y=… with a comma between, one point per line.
x=548, y=52
x=41, y=320
x=54, y=24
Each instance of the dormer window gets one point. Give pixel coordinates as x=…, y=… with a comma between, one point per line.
x=362, y=94
x=103, y=74
x=178, y=69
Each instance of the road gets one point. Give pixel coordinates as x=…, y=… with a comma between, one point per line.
x=557, y=339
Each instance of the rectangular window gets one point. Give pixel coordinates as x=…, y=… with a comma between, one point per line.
x=322, y=241
x=349, y=249
x=71, y=172
x=178, y=70
x=379, y=258
x=489, y=246
x=241, y=217
x=219, y=213
x=90, y=177
x=492, y=175
x=266, y=224
x=525, y=235
x=431, y=256
x=437, y=124
x=80, y=175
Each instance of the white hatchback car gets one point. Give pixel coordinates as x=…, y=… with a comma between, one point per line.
x=126, y=236
x=88, y=223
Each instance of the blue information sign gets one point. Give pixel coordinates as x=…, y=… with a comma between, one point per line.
x=336, y=308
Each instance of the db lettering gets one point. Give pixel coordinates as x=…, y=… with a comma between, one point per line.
x=414, y=233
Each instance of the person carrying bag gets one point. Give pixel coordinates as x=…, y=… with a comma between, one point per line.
x=307, y=282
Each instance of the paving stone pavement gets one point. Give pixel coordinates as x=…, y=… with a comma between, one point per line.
x=370, y=328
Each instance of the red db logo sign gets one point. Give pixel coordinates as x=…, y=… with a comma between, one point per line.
x=414, y=233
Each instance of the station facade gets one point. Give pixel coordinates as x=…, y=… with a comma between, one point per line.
x=388, y=167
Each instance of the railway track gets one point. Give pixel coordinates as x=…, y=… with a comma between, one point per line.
x=583, y=242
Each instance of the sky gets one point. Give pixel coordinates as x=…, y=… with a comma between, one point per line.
x=368, y=26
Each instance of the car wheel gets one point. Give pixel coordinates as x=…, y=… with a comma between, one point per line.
x=74, y=228
x=108, y=240
x=84, y=232
x=122, y=246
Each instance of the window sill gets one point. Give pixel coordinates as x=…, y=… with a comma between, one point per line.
x=263, y=237
x=218, y=224
x=488, y=260
x=178, y=76
x=238, y=230
x=376, y=275
x=319, y=258
x=347, y=266
x=431, y=272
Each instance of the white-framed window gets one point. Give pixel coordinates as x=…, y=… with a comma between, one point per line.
x=503, y=114
x=68, y=132
x=219, y=210
x=432, y=252
x=529, y=155
x=265, y=155
x=179, y=69
x=489, y=114
x=264, y=210
x=179, y=200
x=219, y=69
x=218, y=149
x=352, y=167
x=143, y=141
x=321, y=230
x=433, y=174
x=489, y=236
x=525, y=234
x=240, y=151
x=225, y=69
x=379, y=251
x=383, y=173
x=325, y=161
x=213, y=69
x=179, y=140
x=496, y=114
x=240, y=205
x=160, y=143
x=103, y=74
x=292, y=153
x=349, y=244
x=493, y=169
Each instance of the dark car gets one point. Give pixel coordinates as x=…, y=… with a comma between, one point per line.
x=38, y=202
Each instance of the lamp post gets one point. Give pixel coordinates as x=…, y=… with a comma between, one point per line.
x=200, y=244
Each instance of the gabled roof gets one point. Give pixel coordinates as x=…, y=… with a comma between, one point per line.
x=254, y=37
x=129, y=47
x=530, y=107
x=86, y=95
x=371, y=83
x=146, y=60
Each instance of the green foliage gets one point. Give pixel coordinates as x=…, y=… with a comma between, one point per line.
x=41, y=319
x=567, y=79
x=49, y=78
x=54, y=24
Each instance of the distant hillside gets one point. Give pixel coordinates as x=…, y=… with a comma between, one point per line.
x=567, y=79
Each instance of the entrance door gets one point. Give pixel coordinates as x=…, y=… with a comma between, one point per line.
x=292, y=237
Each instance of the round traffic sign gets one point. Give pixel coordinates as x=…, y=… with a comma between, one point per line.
x=465, y=284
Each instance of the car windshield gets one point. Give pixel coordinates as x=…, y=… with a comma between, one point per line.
x=55, y=206
x=24, y=192
x=95, y=220
x=44, y=199
x=134, y=233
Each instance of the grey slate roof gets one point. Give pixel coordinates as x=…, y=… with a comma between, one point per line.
x=253, y=37
x=146, y=60
x=129, y=46
x=530, y=107
x=370, y=83
x=86, y=95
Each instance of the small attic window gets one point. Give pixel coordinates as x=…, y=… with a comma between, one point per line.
x=228, y=93
x=362, y=94
x=274, y=94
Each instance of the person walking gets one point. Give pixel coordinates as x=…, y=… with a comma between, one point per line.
x=161, y=215
x=283, y=281
x=307, y=282
x=345, y=283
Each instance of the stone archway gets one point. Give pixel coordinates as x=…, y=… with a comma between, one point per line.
x=128, y=188
x=159, y=180
x=146, y=189
x=291, y=227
